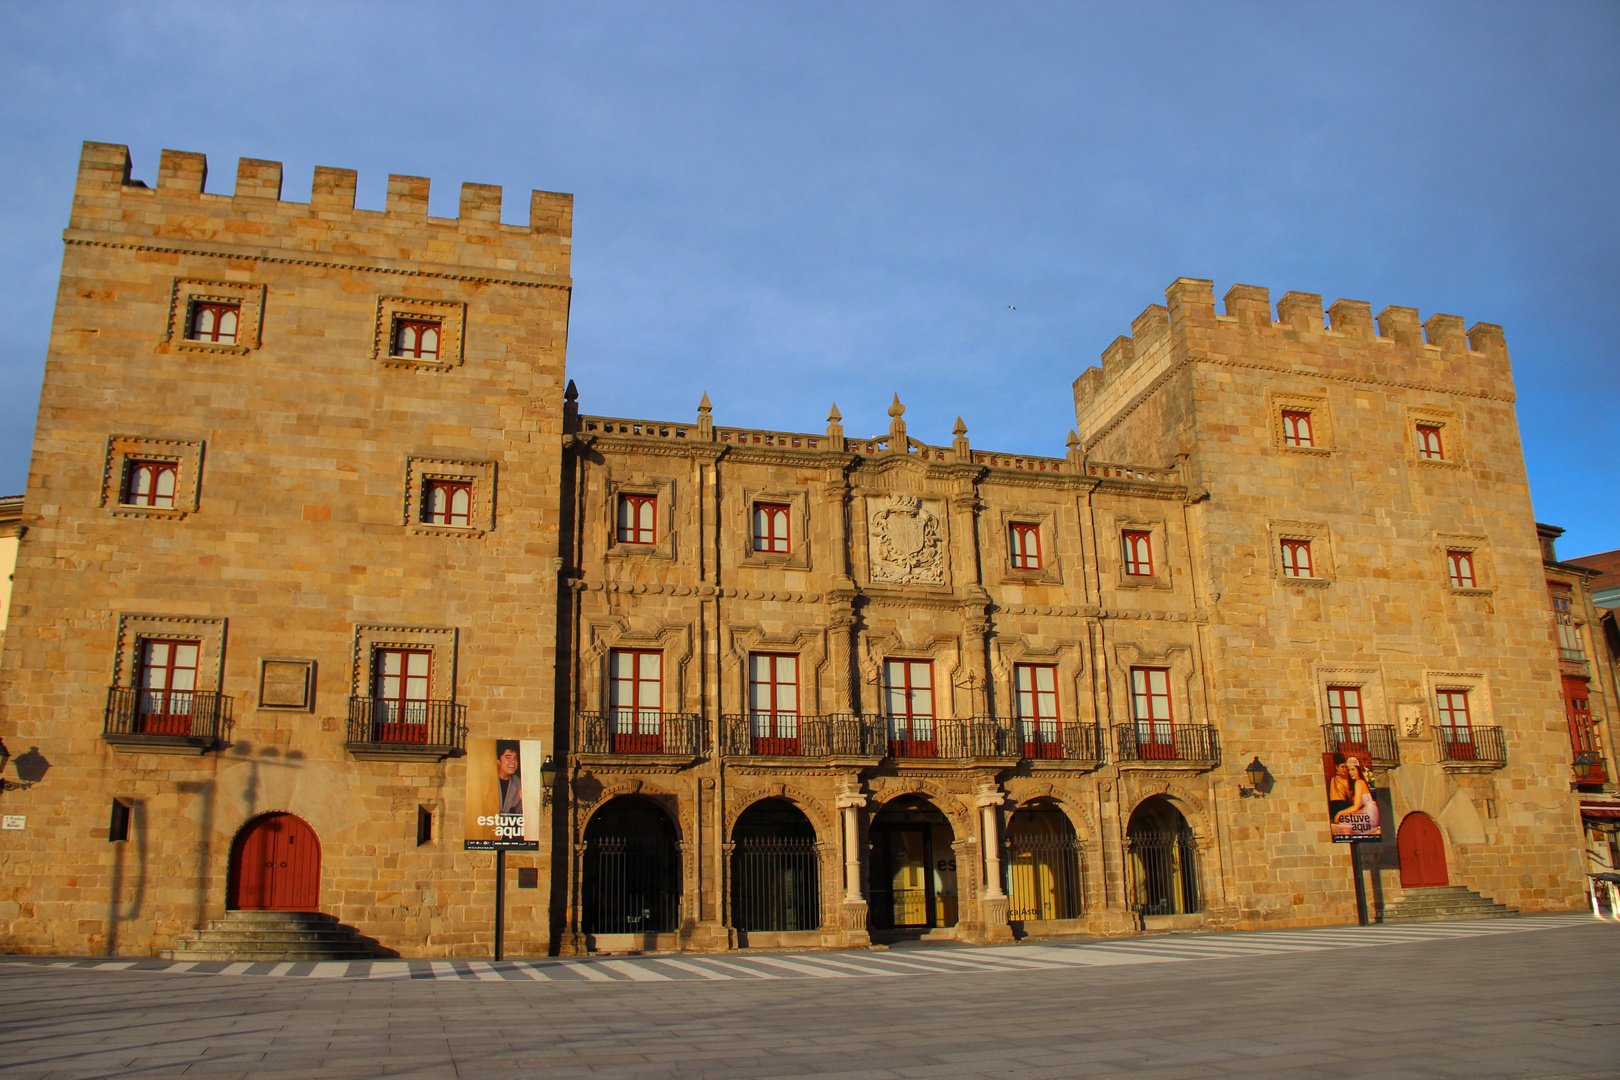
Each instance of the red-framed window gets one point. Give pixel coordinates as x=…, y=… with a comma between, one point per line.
x=1138, y=547
x=417, y=339
x=1296, y=428
x=1024, y=542
x=214, y=322
x=1460, y=569
x=1344, y=713
x=1456, y=732
x=638, y=519
x=1150, y=704
x=771, y=527
x=150, y=483
x=168, y=682
x=635, y=696
x=1583, y=735
x=401, y=680
x=1429, y=444
x=1296, y=558
x=447, y=502
x=1569, y=635
x=773, y=703
x=1035, y=694
x=909, y=702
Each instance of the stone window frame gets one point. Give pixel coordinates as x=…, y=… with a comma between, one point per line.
x=797, y=556
x=1158, y=536
x=807, y=643
x=481, y=474
x=673, y=641
x=1067, y=657
x=1045, y=522
x=660, y=488
x=309, y=667
x=1451, y=436
x=1476, y=546
x=1367, y=679
x=442, y=641
x=249, y=298
x=135, y=628
x=1316, y=405
x=451, y=315
x=1476, y=684
x=1178, y=659
x=187, y=455
x=1318, y=536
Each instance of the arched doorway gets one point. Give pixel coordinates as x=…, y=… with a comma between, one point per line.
x=775, y=884
x=1163, y=859
x=913, y=868
x=275, y=866
x=632, y=872
x=1043, y=864
x=1422, y=852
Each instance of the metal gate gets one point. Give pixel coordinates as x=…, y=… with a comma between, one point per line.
x=1043, y=877
x=632, y=886
x=1164, y=869
x=775, y=883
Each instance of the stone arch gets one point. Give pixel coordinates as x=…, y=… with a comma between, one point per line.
x=738, y=800
x=946, y=802
x=1020, y=792
x=669, y=802
x=1191, y=806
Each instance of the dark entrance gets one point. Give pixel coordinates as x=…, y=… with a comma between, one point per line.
x=1422, y=852
x=913, y=868
x=774, y=879
x=1043, y=864
x=632, y=872
x=275, y=866
x=1163, y=860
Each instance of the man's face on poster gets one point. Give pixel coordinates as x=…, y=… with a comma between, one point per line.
x=507, y=764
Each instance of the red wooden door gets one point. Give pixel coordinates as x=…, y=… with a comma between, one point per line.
x=277, y=866
x=1423, y=856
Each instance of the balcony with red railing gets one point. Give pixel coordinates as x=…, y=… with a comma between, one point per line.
x=1194, y=746
x=166, y=721
x=380, y=729
x=782, y=734
x=1372, y=744
x=1470, y=747
x=639, y=733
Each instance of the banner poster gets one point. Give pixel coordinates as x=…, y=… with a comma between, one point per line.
x=503, y=794
x=1352, y=797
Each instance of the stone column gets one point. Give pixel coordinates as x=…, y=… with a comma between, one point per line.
x=994, y=905
x=852, y=912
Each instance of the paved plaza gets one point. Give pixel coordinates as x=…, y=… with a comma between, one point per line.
x=1533, y=998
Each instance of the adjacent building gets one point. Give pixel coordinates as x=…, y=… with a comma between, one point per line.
x=313, y=509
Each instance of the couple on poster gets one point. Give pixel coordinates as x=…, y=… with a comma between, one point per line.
x=1352, y=802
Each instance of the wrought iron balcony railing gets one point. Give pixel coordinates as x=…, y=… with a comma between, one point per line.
x=1470, y=745
x=407, y=728
x=183, y=718
x=1373, y=744
x=1159, y=740
x=639, y=731
x=795, y=735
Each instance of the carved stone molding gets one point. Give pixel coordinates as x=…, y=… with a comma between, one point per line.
x=907, y=543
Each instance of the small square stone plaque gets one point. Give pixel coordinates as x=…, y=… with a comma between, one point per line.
x=286, y=684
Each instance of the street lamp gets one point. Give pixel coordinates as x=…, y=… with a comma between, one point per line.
x=1259, y=780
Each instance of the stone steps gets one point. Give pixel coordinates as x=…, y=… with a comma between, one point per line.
x=276, y=936
x=1442, y=904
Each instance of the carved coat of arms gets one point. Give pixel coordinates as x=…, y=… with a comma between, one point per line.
x=906, y=547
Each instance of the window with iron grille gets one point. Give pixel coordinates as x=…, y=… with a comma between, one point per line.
x=1429, y=444
x=417, y=339
x=1460, y=569
x=771, y=527
x=1035, y=690
x=773, y=702
x=638, y=516
x=1569, y=635
x=636, y=695
x=1296, y=428
x=1138, y=552
x=214, y=322
x=909, y=700
x=1296, y=558
x=447, y=502
x=1024, y=544
x=149, y=483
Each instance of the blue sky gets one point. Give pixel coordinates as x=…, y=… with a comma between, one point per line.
x=787, y=204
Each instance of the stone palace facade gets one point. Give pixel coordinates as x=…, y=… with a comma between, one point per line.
x=313, y=509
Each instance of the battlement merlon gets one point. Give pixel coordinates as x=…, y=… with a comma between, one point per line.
x=110, y=207
x=1344, y=341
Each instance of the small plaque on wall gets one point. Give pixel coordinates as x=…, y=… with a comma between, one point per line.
x=287, y=684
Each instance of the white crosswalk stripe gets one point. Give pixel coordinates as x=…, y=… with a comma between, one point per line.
x=958, y=960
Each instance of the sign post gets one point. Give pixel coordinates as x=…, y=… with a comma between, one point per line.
x=503, y=808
